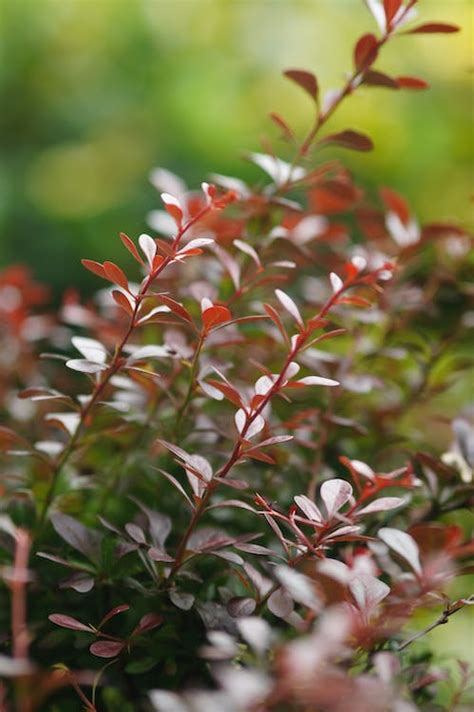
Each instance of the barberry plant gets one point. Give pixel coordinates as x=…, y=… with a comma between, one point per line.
x=230, y=493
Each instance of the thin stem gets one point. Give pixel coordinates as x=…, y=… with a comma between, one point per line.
x=114, y=366
x=354, y=81
x=237, y=450
x=192, y=382
x=442, y=620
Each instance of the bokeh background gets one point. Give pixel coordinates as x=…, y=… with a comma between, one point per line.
x=94, y=93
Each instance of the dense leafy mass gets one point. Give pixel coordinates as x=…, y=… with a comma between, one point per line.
x=229, y=493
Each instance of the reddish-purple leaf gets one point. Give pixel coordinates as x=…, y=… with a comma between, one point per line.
x=306, y=80
x=430, y=27
x=349, y=139
x=412, y=83
x=391, y=8
x=365, y=51
x=395, y=203
x=148, y=622
x=113, y=612
x=379, y=79
x=287, y=133
x=68, y=622
x=107, y=648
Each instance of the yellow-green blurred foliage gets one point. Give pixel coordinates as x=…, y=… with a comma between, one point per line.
x=97, y=92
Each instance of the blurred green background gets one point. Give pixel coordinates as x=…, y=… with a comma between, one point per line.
x=94, y=93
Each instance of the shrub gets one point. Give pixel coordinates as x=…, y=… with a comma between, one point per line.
x=231, y=493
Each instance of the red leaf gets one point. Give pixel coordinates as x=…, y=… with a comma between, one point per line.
x=230, y=393
x=175, y=307
x=130, y=245
x=122, y=301
x=107, y=648
x=431, y=27
x=8, y=438
x=350, y=139
x=275, y=317
x=365, y=51
x=114, y=612
x=355, y=301
x=94, y=267
x=68, y=622
x=379, y=79
x=394, y=202
x=306, y=80
x=281, y=123
x=391, y=8
x=412, y=83
x=148, y=622
x=116, y=275
x=215, y=315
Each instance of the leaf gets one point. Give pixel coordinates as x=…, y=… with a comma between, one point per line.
x=135, y=532
x=336, y=282
x=240, y=607
x=249, y=250
x=107, y=648
x=395, y=203
x=288, y=303
x=299, y=586
x=86, y=541
x=280, y=603
x=149, y=621
x=173, y=207
x=365, y=51
x=412, y=83
x=94, y=267
x=287, y=133
x=182, y=600
x=257, y=424
x=309, y=509
x=402, y=544
x=8, y=438
x=335, y=494
x=113, y=612
x=130, y=246
x=368, y=591
x=256, y=632
x=215, y=315
x=159, y=524
x=379, y=79
x=317, y=381
x=349, y=139
x=115, y=274
x=304, y=79
x=122, y=301
x=391, y=8
x=431, y=27
x=91, y=349
x=383, y=504
x=175, y=307
x=68, y=622
x=84, y=366
x=148, y=247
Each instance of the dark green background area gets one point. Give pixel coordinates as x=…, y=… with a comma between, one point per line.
x=94, y=93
